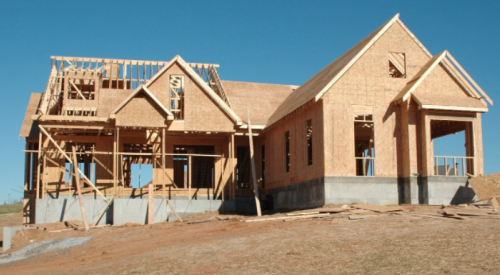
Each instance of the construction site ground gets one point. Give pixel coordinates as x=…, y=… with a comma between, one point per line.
x=404, y=242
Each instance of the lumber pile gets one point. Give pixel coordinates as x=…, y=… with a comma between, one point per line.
x=357, y=212
x=487, y=188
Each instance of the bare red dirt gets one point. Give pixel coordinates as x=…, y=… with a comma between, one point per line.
x=386, y=244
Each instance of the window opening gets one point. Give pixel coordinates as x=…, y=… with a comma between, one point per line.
x=364, y=144
x=263, y=167
x=85, y=161
x=287, y=151
x=81, y=89
x=450, y=158
x=397, y=65
x=309, y=133
x=243, y=167
x=177, y=96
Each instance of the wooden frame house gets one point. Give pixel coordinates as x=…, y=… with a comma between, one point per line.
x=360, y=130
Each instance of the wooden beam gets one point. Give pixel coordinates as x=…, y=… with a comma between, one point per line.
x=254, y=175
x=77, y=183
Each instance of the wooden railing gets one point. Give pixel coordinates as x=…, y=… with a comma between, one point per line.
x=453, y=166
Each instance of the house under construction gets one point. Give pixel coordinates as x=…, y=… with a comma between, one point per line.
x=360, y=130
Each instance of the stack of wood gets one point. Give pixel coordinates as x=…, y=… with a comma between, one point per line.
x=352, y=212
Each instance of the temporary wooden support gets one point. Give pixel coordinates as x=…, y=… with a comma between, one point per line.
x=254, y=175
x=71, y=161
x=102, y=212
x=151, y=203
x=77, y=183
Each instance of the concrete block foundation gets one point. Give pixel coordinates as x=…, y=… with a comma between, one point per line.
x=361, y=189
x=446, y=190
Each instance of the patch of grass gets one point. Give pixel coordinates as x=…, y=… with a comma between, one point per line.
x=11, y=208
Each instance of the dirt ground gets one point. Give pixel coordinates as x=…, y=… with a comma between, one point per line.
x=385, y=244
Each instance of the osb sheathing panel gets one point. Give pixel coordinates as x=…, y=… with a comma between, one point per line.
x=478, y=145
x=30, y=127
x=367, y=83
x=339, y=140
x=275, y=149
x=486, y=187
x=109, y=99
x=439, y=88
x=141, y=111
x=413, y=137
x=201, y=112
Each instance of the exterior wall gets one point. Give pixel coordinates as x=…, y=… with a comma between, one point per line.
x=308, y=194
x=141, y=112
x=367, y=87
x=275, y=149
x=201, y=112
x=109, y=99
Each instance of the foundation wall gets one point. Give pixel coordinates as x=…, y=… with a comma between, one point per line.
x=68, y=208
x=308, y=194
x=446, y=190
x=361, y=189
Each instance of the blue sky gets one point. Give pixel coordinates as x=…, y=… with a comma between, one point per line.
x=283, y=42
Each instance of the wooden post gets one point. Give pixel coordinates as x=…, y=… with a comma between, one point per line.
x=40, y=144
x=114, y=162
x=232, y=186
x=77, y=183
x=151, y=203
x=163, y=161
x=189, y=177
x=252, y=158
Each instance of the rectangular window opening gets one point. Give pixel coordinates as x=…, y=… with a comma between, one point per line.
x=309, y=134
x=364, y=148
x=397, y=65
x=80, y=89
x=287, y=151
x=177, y=96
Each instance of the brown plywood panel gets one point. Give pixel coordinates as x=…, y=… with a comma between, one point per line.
x=141, y=111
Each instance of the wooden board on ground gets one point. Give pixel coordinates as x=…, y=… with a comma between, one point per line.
x=486, y=187
x=465, y=212
x=378, y=208
x=332, y=210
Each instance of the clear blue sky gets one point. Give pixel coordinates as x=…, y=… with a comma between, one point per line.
x=283, y=42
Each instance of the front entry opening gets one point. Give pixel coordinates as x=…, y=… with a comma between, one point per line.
x=453, y=150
